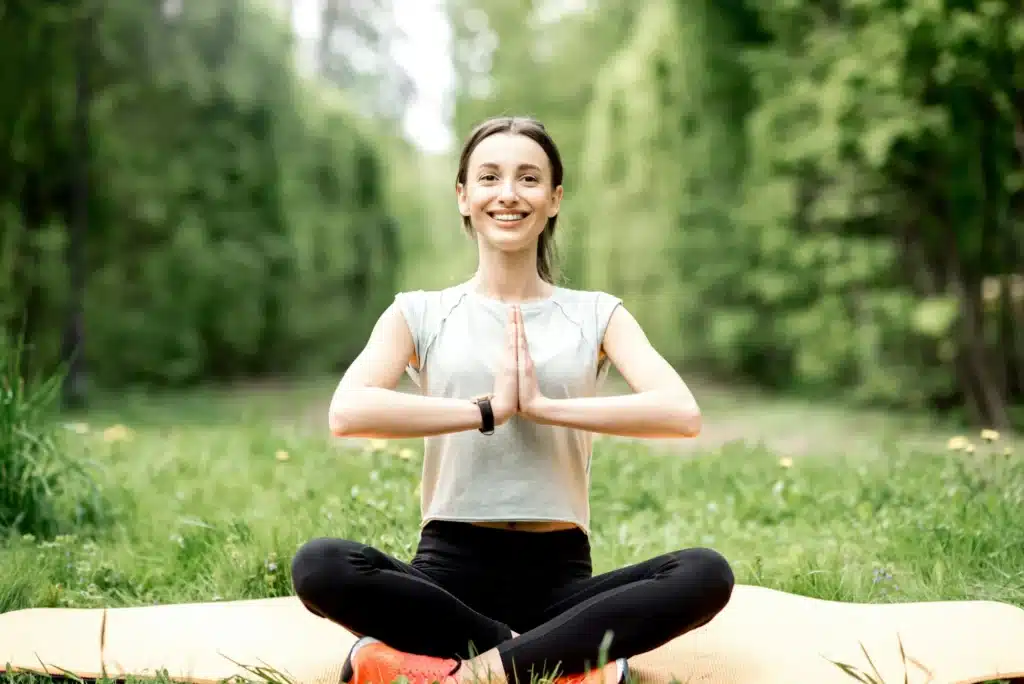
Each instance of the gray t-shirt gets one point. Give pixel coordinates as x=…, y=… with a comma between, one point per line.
x=524, y=471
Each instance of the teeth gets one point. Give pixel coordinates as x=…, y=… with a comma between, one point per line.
x=509, y=217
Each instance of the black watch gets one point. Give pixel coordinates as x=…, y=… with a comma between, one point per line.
x=486, y=413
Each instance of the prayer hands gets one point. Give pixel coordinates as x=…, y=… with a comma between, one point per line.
x=516, y=390
x=505, y=399
x=529, y=389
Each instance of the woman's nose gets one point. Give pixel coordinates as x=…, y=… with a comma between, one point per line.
x=508, y=191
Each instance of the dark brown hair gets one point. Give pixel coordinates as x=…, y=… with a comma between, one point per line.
x=534, y=130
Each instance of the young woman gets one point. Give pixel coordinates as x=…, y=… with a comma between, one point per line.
x=501, y=585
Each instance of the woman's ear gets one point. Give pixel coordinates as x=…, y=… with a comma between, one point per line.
x=556, y=202
x=460, y=196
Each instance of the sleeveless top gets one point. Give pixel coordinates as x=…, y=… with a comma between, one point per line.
x=524, y=471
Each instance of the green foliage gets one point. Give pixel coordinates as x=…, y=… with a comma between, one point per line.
x=239, y=221
x=44, y=490
x=870, y=114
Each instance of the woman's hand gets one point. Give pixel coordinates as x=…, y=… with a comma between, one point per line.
x=505, y=402
x=530, y=396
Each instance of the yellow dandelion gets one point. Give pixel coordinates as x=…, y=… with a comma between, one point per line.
x=1008, y=451
x=969, y=448
x=78, y=428
x=117, y=433
x=989, y=435
x=378, y=444
x=282, y=455
x=406, y=454
x=786, y=462
x=957, y=443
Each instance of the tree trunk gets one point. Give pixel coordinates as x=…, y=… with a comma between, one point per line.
x=1013, y=332
x=74, y=335
x=984, y=390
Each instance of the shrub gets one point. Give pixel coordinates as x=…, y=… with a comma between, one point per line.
x=43, y=490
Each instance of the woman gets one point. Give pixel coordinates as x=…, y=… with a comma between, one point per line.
x=501, y=584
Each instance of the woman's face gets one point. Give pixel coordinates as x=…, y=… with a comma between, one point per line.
x=508, y=194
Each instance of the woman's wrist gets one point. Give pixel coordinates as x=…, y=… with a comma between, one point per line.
x=502, y=410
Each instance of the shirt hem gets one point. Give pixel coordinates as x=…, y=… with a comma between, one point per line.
x=503, y=518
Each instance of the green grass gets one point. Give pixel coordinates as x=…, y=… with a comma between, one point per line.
x=207, y=511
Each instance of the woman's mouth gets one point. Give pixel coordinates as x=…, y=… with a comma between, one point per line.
x=508, y=218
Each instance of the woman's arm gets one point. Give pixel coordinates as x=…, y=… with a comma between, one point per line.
x=366, y=404
x=662, y=406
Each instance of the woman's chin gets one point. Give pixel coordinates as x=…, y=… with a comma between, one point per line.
x=510, y=239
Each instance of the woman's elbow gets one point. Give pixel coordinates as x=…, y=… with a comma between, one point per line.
x=336, y=423
x=341, y=418
x=690, y=419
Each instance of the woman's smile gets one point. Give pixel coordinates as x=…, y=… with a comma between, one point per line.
x=509, y=219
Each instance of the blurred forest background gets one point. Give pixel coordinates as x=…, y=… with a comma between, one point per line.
x=815, y=196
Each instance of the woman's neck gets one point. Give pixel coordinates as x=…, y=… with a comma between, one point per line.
x=509, y=277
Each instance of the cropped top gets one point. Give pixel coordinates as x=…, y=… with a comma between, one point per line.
x=524, y=471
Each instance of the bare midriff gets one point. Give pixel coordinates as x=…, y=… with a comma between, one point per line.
x=528, y=525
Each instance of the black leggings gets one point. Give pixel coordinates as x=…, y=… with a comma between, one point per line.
x=468, y=587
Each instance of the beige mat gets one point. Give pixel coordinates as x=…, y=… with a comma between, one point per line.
x=762, y=637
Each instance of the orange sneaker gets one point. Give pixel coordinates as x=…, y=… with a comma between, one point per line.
x=373, y=662
x=598, y=675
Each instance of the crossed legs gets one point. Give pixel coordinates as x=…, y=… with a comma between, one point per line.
x=643, y=606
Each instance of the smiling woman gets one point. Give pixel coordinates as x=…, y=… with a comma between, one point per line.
x=508, y=364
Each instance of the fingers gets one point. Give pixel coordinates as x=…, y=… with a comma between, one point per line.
x=519, y=328
x=519, y=351
x=512, y=362
x=522, y=341
x=524, y=360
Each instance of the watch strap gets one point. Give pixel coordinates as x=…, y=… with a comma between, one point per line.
x=486, y=414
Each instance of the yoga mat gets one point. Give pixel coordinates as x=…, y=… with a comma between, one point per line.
x=762, y=637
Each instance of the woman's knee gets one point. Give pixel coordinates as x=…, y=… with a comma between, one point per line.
x=712, y=574
x=323, y=567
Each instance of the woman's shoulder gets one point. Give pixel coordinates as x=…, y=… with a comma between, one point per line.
x=422, y=306
x=591, y=309
x=595, y=305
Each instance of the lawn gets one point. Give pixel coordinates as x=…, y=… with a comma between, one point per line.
x=211, y=494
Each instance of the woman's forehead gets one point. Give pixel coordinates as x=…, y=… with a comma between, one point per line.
x=509, y=151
